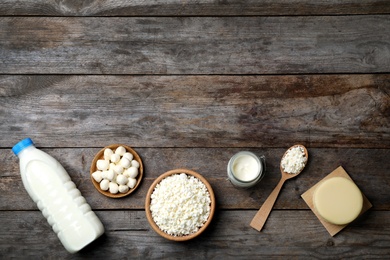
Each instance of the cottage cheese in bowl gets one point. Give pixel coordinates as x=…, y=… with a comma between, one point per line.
x=180, y=204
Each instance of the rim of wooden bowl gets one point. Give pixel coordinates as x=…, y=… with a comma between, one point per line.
x=100, y=155
x=149, y=214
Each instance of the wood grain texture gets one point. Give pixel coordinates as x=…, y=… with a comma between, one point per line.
x=369, y=169
x=191, y=7
x=128, y=235
x=197, y=111
x=189, y=84
x=195, y=45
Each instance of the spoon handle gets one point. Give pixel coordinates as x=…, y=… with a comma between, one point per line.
x=261, y=216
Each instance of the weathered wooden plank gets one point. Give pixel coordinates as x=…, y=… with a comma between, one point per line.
x=192, y=7
x=295, y=234
x=197, y=111
x=195, y=45
x=369, y=168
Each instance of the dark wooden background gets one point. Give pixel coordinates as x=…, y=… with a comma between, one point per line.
x=188, y=84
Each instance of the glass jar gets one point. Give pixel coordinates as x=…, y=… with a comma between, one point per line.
x=245, y=169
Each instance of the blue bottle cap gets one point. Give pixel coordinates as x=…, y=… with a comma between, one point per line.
x=22, y=145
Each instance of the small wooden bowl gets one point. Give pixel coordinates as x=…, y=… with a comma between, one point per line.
x=100, y=155
x=149, y=214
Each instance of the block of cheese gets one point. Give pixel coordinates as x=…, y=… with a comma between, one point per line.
x=338, y=200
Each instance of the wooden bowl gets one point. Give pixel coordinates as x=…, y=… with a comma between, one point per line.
x=149, y=214
x=100, y=155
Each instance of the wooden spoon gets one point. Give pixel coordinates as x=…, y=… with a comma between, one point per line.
x=261, y=216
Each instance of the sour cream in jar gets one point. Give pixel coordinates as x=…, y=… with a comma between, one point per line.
x=245, y=169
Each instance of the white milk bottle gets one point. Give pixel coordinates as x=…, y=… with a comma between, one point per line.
x=62, y=204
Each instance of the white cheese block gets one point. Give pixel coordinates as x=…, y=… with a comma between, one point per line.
x=338, y=200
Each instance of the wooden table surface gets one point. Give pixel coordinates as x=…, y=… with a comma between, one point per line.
x=188, y=84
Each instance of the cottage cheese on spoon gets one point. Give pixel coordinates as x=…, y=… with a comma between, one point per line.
x=294, y=160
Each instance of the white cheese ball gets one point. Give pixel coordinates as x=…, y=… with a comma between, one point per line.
x=121, y=179
x=110, y=175
x=132, y=172
x=102, y=164
x=107, y=153
x=104, y=184
x=118, y=169
x=135, y=163
x=114, y=188
x=128, y=156
x=131, y=183
x=104, y=174
x=125, y=163
x=123, y=188
x=125, y=173
x=111, y=166
x=115, y=158
x=97, y=176
x=120, y=150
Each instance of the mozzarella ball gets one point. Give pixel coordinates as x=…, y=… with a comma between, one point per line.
x=120, y=150
x=115, y=158
x=135, y=163
x=110, y=175
x=121, y=179
x=113, y=188
x=107, y=153
x=131, y=183
x=128, y=156
x=97, y=176
x=132, y=172
x=125, y=163
x=111, y=166
x=102, y=164
x=123, y=188
x=118, y=169
x=104, y=184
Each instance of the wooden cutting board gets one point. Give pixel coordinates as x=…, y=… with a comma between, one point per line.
x=308, y=198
